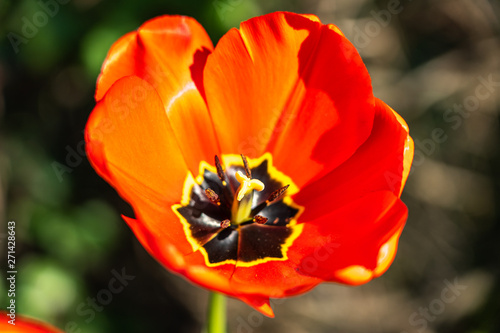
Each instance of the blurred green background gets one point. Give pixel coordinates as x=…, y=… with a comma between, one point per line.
x=427, y=60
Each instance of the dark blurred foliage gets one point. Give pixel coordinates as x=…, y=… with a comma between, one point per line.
x=427, y=59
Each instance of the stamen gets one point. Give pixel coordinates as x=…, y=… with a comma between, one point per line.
x=212, y=196
x=220, y=171
x=245, y=165
x=259, y=219
x=247, y=185
x=277, y=194
x=224, y=224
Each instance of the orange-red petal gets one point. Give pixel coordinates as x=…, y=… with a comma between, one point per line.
x=381, y=163
x=259, y=303
x=169, y=52
x=164, y=51
x=360, y=239
x=288, y=84
x=274, y=278
x=352, y=244
x=131, y=144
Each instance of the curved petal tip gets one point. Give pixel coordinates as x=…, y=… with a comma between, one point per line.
x=259, y=303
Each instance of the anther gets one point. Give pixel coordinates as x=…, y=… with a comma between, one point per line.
x=212, y=196
x=277, y=194
x=259, y=219
x=245, y=165
x=220, y=170
x=225, y=224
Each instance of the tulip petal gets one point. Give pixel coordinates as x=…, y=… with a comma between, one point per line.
x=351, y=245
x=381, y=163
x=135, y=141
x=130, y=143
x=351, y=241
x=259, y=303
x=119, y=62
x=305, y=89
x=387, y=253
x=169, y=52
x=190, y=265
x=163, y=52
x=273, y=278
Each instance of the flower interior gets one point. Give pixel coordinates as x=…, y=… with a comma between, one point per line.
x=239, y=211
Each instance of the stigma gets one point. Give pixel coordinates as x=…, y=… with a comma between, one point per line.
x=242, y=203
x=247, y=185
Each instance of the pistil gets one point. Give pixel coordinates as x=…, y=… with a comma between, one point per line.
x=242, y=203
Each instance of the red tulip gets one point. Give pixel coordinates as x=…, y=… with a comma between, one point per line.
x=293, y=97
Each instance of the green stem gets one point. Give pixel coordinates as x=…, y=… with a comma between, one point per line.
x=216, y=313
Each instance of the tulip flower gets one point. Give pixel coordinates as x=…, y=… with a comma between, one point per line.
x=258, y=168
